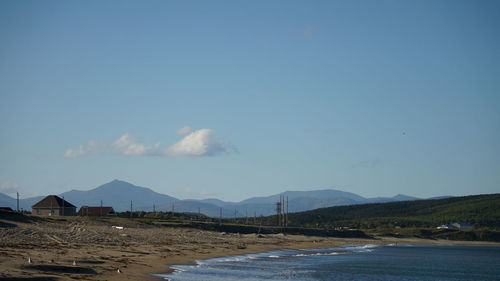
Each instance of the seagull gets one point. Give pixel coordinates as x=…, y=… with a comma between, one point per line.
x=74, y=262
x=119, y=271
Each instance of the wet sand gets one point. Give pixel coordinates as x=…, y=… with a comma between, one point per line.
x=80, y=249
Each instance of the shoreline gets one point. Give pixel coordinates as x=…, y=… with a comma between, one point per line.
x=72, y=249
x=331, y=242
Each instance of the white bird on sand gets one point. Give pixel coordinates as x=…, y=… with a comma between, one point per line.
x=119, y=271
x=29, y=260
x=74, y=262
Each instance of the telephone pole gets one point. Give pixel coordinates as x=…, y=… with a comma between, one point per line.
x=17, y=201
x=131, y=208
x=278, y=212
x=283, y=210
x=286, y=221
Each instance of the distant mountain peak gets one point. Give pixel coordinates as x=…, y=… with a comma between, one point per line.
x=119, y=194
x=117, y=184
x=403, y=197
x=118, y=181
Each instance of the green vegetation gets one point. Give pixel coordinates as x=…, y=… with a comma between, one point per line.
x=408, y=218
x=163, y=215
x=480, y=234
x=398, y=219
x=480, y=210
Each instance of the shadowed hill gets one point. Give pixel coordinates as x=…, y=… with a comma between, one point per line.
x=481, y=210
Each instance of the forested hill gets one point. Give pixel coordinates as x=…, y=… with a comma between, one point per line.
x=480, y=210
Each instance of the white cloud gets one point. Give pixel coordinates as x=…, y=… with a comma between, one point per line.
x=194, y=144
x=89, y=148
x=11, y=188
x=8, y=187
x=71, y=153
x=127, y=145
x=184, y=131
x=197, y=143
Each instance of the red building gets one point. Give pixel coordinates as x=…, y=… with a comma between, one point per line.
x=96, y=211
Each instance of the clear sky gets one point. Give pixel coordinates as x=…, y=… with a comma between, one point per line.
x=233, y=99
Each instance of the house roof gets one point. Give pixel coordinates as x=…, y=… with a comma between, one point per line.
x=53, y=201
x=95, y=211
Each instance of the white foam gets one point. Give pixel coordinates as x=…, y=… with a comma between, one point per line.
x=400, y=245
x=317, y=254
x=178, y=269
x=360, y=248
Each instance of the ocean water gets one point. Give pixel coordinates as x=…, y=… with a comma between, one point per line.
x=357, y=262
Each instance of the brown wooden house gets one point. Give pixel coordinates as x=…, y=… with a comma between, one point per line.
x=53, y=205
x=96, y=211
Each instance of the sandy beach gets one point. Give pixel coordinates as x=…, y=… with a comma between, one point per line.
x=80, y=249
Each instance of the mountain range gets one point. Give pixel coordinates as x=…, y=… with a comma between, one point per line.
x=119, y=195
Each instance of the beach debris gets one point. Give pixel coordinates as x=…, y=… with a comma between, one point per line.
x=52, y=260
x=30, y=260
x=119, y=271
x=118, y=227
x=74, y=262
x=241, y=247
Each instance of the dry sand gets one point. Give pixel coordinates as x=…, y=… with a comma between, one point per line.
x=138, y=250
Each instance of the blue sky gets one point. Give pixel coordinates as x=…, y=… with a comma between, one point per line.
x=372, y=97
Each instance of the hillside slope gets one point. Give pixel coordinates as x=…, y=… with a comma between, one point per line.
x=481, y=210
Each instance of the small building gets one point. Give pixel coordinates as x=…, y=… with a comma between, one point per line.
x=456, y=225
x=463, y=225
x=96, y=211
x=445, y=226
x=53, y=205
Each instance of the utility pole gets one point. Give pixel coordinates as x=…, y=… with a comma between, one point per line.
x=278, y=212
x=220, y=217
x=18, y=201
x=172, y=208
x=283, y=210
x=154, y=209
x=131, y=208
x=286, y=224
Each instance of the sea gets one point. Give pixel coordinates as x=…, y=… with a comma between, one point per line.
x=352, y=262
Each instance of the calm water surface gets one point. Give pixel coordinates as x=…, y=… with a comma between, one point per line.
x=367, y=262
